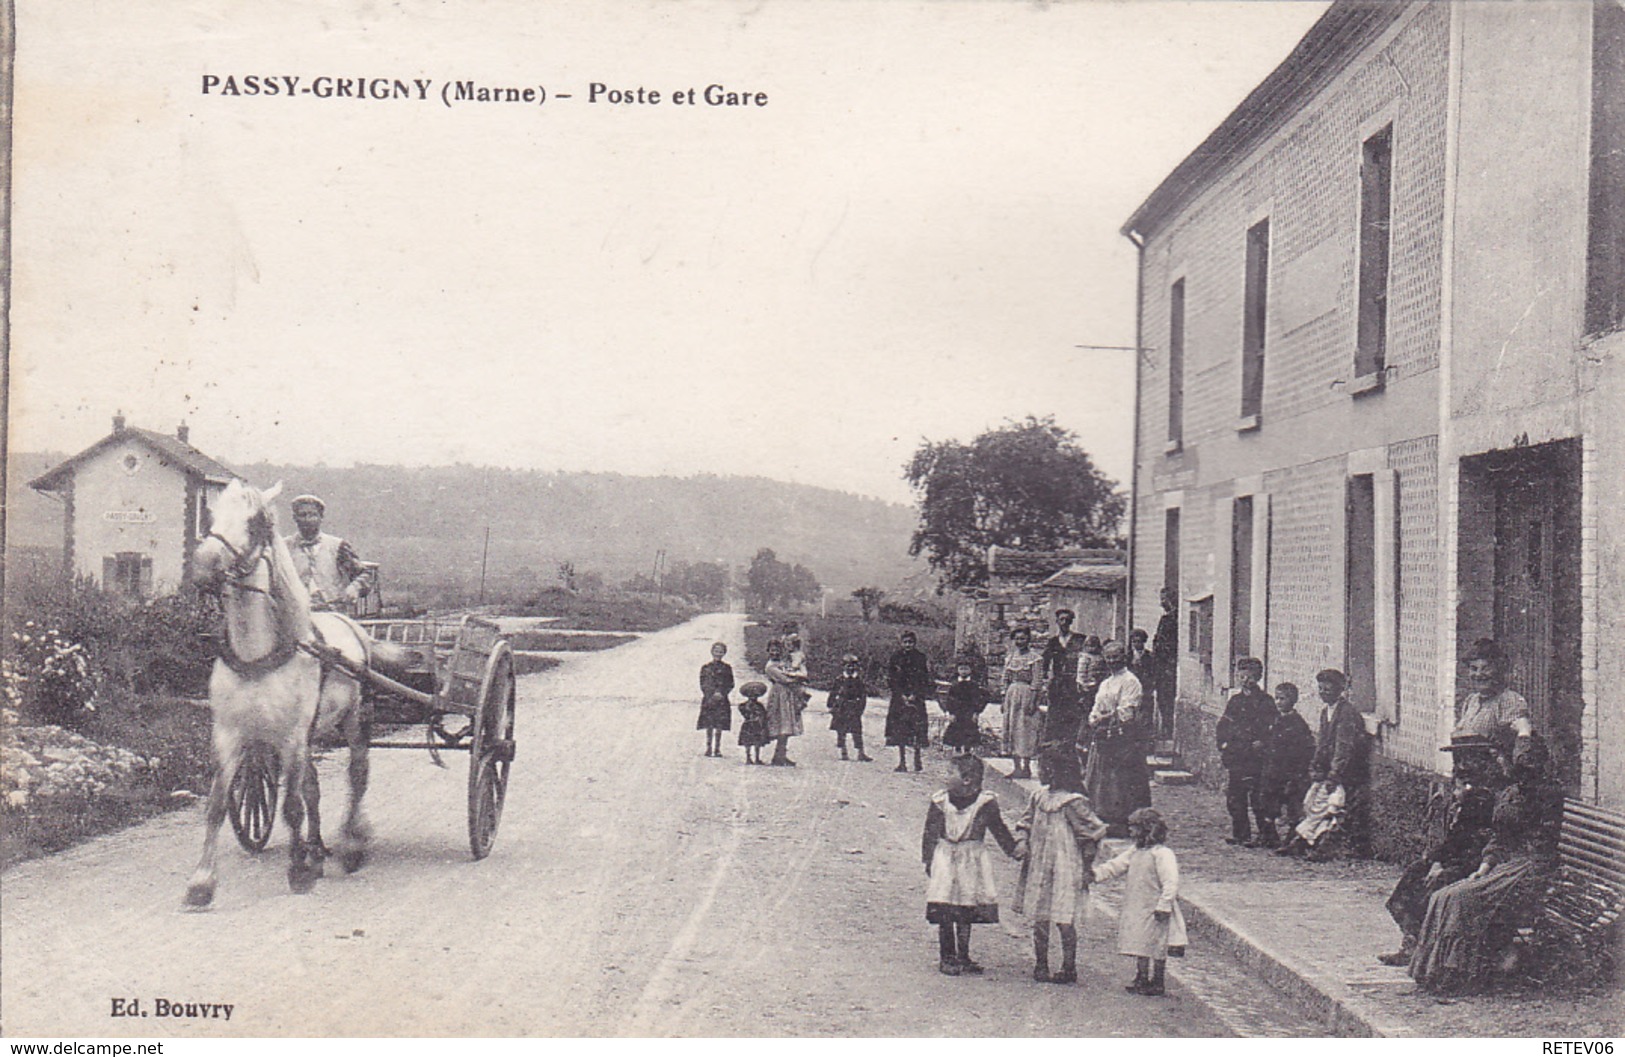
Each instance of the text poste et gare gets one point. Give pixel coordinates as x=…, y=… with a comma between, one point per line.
x=471, y=92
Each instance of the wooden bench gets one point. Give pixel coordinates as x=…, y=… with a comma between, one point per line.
x=1581, y=912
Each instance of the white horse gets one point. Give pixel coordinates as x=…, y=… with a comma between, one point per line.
x=268, y=687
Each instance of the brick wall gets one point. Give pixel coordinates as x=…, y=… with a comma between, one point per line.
x=1306, y=572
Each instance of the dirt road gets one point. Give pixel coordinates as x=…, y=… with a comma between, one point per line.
x=636, y=888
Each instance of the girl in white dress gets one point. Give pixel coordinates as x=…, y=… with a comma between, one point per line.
x=1150, y=927
x=1055, y=841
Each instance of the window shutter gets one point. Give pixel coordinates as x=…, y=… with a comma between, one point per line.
x=110, y=573
x=1385, y=492
x=145, y=590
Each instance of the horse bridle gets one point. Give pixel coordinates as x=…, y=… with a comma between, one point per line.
x=243, y=564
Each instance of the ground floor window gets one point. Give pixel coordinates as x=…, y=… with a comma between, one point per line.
x=128, y=573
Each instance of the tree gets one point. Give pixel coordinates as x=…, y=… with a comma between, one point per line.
x=868, y=598
x=1026, y=485
x=772, y=584
x=704, y=582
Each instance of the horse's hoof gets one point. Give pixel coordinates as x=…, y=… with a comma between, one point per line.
x=301, y=879
x=353, y=859
x=199, y=895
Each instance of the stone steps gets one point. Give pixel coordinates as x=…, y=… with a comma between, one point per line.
x=1165, y=766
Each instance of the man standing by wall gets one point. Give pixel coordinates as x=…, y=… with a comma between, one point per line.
x=1164, y=667
x=328, y=565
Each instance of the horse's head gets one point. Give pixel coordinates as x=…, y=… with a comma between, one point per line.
x=241, y=535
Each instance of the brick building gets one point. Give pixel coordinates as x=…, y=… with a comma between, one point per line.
x=1380, y=417
x=134, y=506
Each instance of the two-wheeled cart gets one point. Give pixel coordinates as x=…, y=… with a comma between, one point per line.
x=454, y=679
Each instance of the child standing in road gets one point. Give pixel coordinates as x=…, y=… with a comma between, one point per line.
x=960, y=891
x=847, y=700
x=1150, y=928
x=753, y=721
x=964, y=703
x=1055, y=841
x=716, y=713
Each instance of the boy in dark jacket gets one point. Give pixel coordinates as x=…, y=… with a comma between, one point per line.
x=847, y=700
x=1288, y=751
x=1241, y=734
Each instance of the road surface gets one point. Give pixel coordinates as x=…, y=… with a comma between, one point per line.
x=637, y=887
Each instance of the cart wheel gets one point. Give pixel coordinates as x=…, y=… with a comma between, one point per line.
x=251, y=800
x=490, y=756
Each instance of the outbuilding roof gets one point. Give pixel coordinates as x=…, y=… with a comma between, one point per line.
x=1345, y=28
x=1089, y=577
x=175, y=451
x=1008, y=563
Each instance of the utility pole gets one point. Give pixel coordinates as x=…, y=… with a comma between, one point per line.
x=484, y=553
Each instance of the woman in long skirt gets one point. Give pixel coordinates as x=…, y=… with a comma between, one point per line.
x=1116, y=778
x=1022, y=720
x=1469, y=923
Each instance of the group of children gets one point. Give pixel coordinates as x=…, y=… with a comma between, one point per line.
x=848, y=698
x=1279, y=771
x=1055, y=840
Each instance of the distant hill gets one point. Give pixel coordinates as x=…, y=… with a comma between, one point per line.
x=429, y=523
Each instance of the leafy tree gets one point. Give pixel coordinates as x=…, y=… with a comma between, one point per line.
x=704, y=582
x=868, y=598
x=1026, y=484
x=802, y=585
x=772, y=584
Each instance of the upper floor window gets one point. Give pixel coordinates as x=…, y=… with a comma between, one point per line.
x=1176, y=366
x=1376, y=187
x=1254, y=313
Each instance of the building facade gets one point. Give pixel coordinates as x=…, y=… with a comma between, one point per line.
x=1381, y=414
x=134, y=506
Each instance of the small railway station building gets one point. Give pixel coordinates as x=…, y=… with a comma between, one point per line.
x=134, y=506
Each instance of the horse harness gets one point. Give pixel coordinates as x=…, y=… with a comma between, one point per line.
x=243, y=564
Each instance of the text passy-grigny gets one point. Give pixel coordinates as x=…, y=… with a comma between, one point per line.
x=454, y=92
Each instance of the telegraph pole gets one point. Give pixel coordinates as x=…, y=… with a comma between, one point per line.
x=484, y=553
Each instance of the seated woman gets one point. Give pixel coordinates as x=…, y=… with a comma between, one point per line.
x=1469, y=923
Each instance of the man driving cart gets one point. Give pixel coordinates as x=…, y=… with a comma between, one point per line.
x=332, y=572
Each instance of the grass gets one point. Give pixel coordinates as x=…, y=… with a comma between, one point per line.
x=530, y=663
x=552, y=641
x=615, y=612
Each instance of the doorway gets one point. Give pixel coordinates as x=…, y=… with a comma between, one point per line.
x=1519, y=581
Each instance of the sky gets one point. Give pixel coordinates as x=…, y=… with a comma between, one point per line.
x=906, y=242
